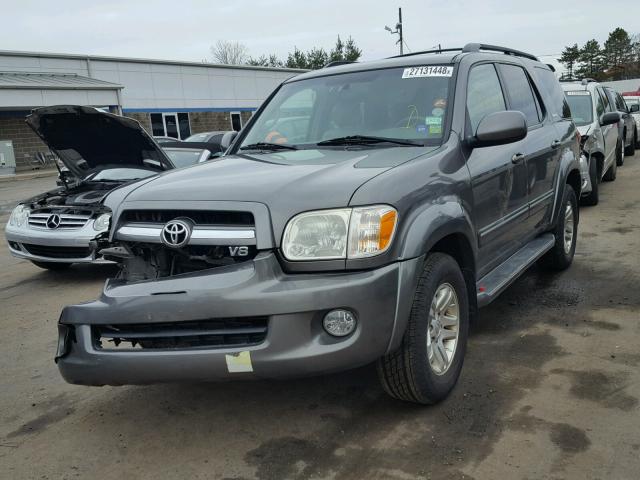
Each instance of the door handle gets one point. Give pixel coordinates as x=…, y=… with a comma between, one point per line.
x=556, y=144
x=517, y=158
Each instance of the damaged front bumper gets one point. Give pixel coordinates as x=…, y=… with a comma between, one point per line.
x=250, y=320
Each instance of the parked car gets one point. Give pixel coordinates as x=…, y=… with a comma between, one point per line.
x=628, y=123
x=206, y=137
x=101, y=152
x=183, y=154
x=424, y=186
x=162, y=140
x=596, y=119
x=633, y=102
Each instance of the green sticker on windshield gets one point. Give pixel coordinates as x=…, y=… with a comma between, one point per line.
x=433, y=120
x=435, y=128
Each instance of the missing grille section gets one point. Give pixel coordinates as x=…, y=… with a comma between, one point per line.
x=199, y=217
x=216, y=333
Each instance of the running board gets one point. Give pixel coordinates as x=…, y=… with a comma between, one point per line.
x=493, y=283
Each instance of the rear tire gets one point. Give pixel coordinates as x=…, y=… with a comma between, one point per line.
x=53, y=266
x=427, y=364
x=612, y=173
x=631, y=149
x=566, y=233
x=593, y=197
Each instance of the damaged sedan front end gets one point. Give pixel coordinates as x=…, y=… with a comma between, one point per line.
x=102, y=152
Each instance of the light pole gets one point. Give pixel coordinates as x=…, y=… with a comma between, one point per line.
x=398, y=30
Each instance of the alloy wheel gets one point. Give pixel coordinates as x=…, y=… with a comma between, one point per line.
x=444, y=327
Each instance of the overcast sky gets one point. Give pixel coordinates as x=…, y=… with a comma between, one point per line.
x=185, y=29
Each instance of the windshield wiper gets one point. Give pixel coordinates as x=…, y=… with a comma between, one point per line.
x=368, y=140
x=268, y=146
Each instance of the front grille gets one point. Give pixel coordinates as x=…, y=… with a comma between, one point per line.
x=215, y=333
x=70, y=218
x=199, y=217
x=57, y=252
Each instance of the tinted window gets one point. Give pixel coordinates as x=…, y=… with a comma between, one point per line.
x=605, y=100
x=548, y=84
x=581, y=107
x=600, y=104
x=484, y=94
x=519, y=91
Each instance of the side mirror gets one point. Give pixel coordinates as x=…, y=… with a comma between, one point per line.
x=227, y=140
x=500, y=128
x=610, y=118
x=634, y=108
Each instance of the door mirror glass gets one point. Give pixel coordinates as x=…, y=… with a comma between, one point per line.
x=500, y=128
x=609, y=118
x=227, y=139
x=635, y=108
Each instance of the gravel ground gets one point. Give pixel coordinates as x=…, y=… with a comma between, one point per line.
x=549, y=389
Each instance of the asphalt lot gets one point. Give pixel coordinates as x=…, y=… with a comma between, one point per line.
x=550, y=388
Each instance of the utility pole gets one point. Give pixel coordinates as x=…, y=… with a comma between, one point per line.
x=398, y=30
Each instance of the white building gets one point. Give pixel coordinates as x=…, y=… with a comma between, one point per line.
x=169, y=98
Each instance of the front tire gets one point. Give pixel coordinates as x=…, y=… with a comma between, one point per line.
x=566, y=232
x=427, y=364
x=593, y=197
x=620, y=153
x=53, y=266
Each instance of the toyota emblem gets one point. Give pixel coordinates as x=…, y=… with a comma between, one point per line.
x=176, y=233
x=53, y=221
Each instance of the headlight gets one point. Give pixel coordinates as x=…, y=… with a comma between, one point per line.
x=101, y=223
x=340, y=233
x=19, y=216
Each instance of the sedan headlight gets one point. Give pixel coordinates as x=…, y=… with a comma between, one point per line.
x=19, y=216
x=101, y=224
x=340, y=233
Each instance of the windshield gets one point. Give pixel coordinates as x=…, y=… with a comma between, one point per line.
x=184, y=158
x=120, y=174
x=398, y=103
x=581, y=107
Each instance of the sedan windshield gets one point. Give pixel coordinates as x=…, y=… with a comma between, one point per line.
x=581, y=107
x=371, y=108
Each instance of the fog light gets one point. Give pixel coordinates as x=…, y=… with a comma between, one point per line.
x=339, y=323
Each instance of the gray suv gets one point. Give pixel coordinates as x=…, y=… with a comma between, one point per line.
x=405, y=194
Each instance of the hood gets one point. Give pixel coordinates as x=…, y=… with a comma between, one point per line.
x=86, y=139
x=287, y=182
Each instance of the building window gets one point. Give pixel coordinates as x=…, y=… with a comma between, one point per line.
x=236, y=121
x=174, y=125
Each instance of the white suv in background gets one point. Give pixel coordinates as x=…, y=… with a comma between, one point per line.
x=602, y=146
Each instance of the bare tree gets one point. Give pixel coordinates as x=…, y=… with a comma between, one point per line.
x=229, y=53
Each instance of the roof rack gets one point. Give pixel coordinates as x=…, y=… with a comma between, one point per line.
x=335, y=63
x=475, y=47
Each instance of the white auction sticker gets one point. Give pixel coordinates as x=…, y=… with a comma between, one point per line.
x=428, y=71
x=577, y=92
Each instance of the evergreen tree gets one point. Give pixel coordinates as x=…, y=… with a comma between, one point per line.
x=569, y=58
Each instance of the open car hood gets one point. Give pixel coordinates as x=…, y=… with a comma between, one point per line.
x=86, y=139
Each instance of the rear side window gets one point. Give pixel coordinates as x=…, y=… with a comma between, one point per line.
x=484, y=95
x=521, y=97
x=553, y=93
